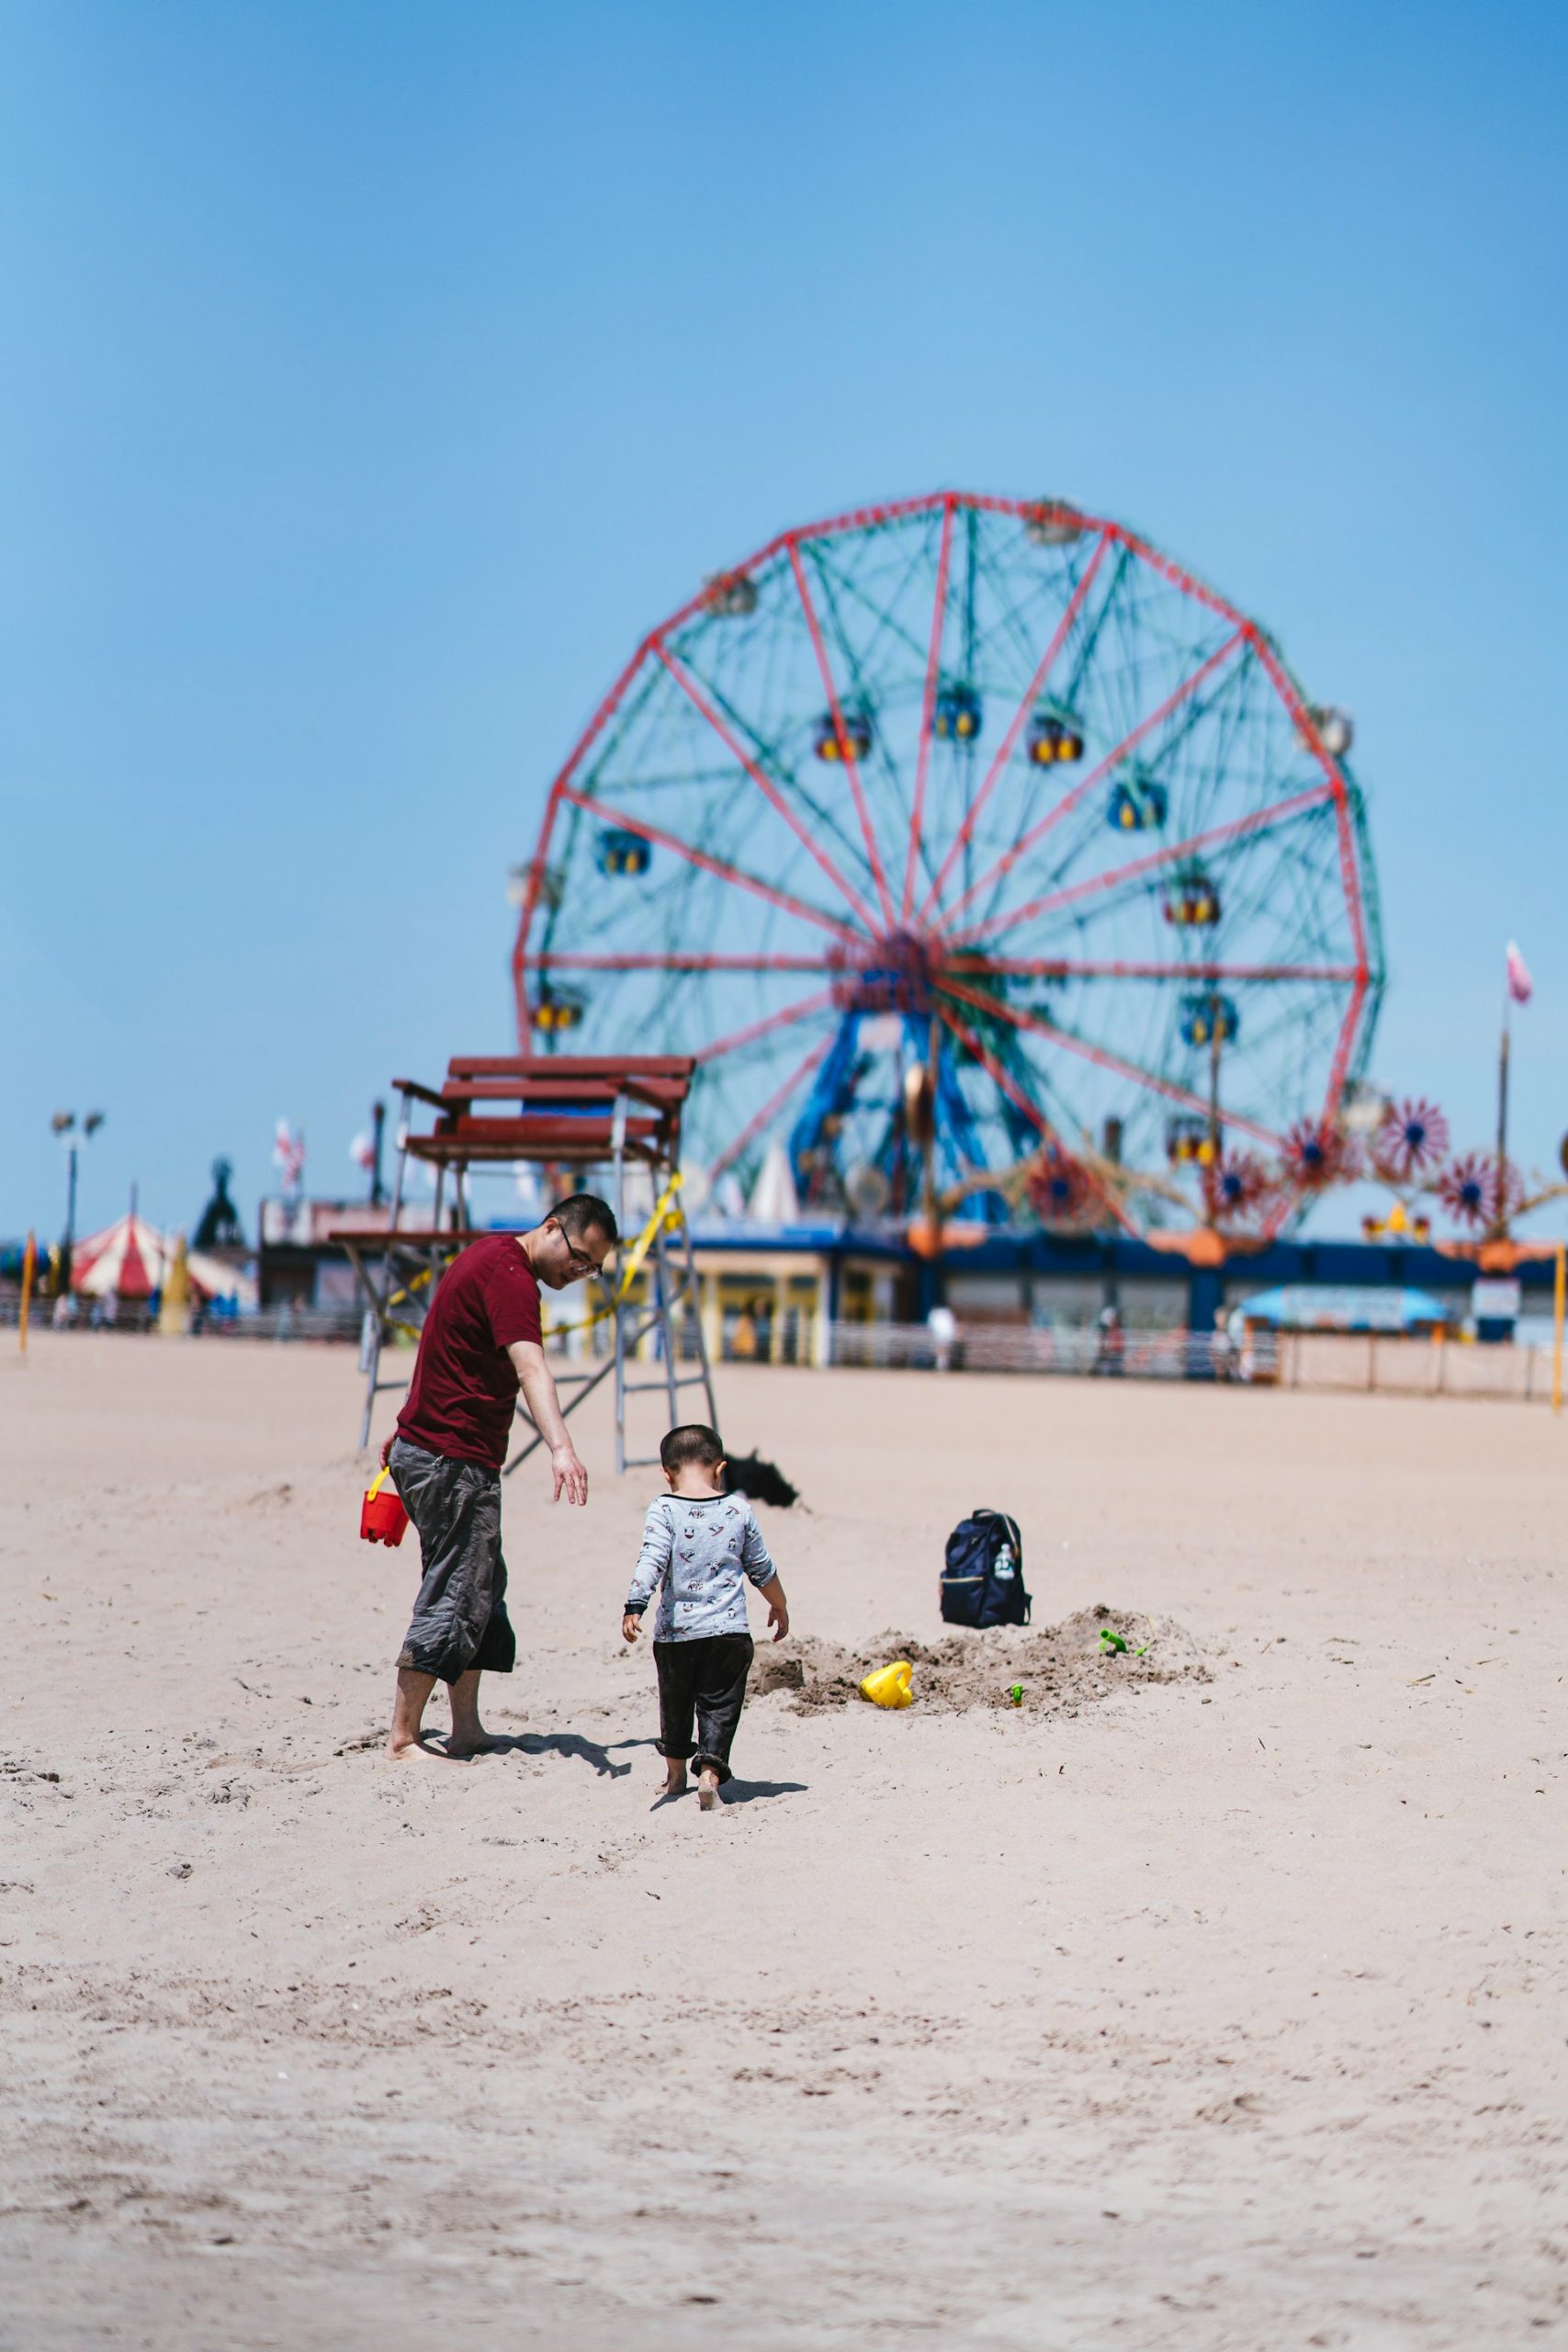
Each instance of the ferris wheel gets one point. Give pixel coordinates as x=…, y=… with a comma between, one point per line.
x=956, y=834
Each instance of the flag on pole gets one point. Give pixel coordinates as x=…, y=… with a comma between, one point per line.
x=1521, y=988
x=288, y=1152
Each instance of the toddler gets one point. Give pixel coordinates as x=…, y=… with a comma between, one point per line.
x=699, y=1544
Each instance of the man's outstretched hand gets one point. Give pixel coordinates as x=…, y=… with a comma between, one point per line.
x=570, y=1477
x=387, y=1446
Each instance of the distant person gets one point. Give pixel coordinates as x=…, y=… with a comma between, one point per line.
x=1110, y=1341
x=65, y=1315
x=743, y=1339
x=481, y=1342
x=1223, y=1347
x=700, y=1545
x=943, y=1325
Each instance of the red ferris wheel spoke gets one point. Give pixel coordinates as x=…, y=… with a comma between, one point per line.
x=709, y=864
x=1008, y=742
x=769, y=1110
x=1343, y=1044
x=570, y=959
x=764, y=783
x=1072, y=967
x=928, y=703
x=1173, y=854
x=852, y=766
x=1349, y=870
x=1286, y=1205
x=755, y=1029
x=1106, y=1060
x=1097, y=775
x=1026, y=1104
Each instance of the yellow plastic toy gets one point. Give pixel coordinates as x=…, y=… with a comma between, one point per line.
x=889, y=1686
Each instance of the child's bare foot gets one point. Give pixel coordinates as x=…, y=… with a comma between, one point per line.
x=707, y=1788
x=462, y=1744
x=674, y=1775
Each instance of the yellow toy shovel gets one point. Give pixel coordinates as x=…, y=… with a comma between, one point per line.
x=889, y=1686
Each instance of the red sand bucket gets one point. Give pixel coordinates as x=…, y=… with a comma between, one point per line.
x=382, y=1517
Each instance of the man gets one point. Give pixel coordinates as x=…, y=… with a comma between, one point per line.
x=481, y=1344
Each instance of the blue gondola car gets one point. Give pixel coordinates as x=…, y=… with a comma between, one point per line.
x=956, y=717
x=1138, y=805
x=620, y=851
x=1208, y=1018
x=856, y=736
x=1053, y=740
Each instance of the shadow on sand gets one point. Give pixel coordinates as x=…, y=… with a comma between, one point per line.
x=748, y=1791
x=566, y=1743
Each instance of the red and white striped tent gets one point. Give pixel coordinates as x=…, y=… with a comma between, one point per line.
x=132, y=1258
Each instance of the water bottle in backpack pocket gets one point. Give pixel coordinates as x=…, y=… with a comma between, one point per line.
x=982, y=1581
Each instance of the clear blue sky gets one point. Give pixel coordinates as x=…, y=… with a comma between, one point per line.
x=376, y=373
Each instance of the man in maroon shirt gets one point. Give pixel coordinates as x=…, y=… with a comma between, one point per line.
x=480, y=1344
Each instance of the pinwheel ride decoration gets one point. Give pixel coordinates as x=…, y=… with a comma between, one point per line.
x=958, y=832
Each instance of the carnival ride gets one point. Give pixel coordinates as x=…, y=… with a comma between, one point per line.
x=984, y=854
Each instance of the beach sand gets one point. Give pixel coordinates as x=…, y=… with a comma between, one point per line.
x=1212, y=2012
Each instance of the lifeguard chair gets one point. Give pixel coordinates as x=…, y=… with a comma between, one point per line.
x=588, y=1113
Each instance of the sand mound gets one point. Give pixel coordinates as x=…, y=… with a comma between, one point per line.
x=1061, y=1667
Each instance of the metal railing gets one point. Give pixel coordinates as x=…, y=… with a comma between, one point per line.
x=285, y=1322
x=1078, y=1352
x=1368, y=1362
x=1349, y=1363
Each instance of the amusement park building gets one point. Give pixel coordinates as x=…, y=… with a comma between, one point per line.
x=775, y=1291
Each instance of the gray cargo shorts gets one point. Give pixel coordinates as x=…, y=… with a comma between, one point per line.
x=459, y=1618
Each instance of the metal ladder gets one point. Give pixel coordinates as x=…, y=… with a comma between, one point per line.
x=674, y=1295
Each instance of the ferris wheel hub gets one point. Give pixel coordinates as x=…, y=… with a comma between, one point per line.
x=895, y=971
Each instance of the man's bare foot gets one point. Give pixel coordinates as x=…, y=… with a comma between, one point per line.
x=482, y=1743
x=707, y=1791
x=674, y=1775
x=398, y=1748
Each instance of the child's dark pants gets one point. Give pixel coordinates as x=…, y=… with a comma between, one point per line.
x=707, y=1678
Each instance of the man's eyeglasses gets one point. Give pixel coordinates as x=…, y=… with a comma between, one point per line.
x=579, y=1260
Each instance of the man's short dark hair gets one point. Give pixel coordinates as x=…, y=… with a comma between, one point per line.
x=579, y=1210
x=693, y=1441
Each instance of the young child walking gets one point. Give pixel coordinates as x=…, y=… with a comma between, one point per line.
x=699, y=1546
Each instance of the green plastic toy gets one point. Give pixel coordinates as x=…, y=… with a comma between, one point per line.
x=1015, y=1693
x=1114, y=1644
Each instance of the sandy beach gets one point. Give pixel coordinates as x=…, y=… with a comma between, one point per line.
x=1219, y=2011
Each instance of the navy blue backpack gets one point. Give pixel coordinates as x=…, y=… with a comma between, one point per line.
x=982, y=1582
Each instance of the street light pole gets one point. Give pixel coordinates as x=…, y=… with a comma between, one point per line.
x=65, y=1124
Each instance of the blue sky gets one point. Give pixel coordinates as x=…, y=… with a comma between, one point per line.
x=378, y=373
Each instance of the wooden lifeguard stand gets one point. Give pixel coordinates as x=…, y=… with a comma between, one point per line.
x=619, y=1112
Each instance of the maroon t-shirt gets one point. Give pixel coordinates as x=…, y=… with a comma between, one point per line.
x=464, y=1390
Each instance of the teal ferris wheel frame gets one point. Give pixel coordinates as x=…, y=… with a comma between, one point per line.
x=947, y=828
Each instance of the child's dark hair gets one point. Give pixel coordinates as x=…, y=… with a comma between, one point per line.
x=693, y=1441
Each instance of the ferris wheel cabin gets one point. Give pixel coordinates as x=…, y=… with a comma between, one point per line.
x=1138, y=805
x=620, y=851
x=955, y=718
x=1192, y=903
x=853, y=741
